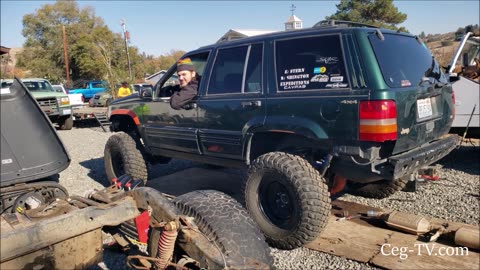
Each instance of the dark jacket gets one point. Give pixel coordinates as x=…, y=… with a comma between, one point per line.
x=184, y=95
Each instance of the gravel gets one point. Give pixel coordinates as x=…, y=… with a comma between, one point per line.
x=455, y=196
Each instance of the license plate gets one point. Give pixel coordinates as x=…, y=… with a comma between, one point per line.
x=68, y=111
x=424, y=108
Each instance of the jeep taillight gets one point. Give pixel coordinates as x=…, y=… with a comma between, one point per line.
x=378, y=120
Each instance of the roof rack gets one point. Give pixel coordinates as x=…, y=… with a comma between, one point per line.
x=327, y=23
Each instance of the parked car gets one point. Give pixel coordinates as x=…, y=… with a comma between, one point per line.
x=76, y=100
x=306, y=111
x=464, y=73
x=89, y=88
x=55, y=105
x=101, y=99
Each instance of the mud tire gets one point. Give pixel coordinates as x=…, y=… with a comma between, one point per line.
x=223, y=220
x=300, y=213
x=379, y=189
x=122, y=156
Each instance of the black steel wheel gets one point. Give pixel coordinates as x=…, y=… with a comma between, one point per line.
x=287, y=198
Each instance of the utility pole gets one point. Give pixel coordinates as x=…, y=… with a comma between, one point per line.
x=67, y=69
x=126, y=35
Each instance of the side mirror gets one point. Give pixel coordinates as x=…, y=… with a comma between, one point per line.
x=146, y=92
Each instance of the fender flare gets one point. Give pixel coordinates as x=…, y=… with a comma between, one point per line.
x=126, y=112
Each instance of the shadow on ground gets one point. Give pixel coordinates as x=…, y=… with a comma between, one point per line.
x=179, y=177
x=96, y=170
x=466, y=158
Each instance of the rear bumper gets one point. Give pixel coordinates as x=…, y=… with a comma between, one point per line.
x=408, y=162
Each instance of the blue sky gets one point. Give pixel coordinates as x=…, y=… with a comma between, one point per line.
x=156, y=27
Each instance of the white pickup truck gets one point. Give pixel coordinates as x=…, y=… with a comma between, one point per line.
x=464, y=73
x=76, y=100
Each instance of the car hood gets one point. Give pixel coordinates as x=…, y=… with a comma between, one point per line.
x=30, y=146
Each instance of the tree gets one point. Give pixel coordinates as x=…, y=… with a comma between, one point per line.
x=381, y=13
x=422, y=35
x=94, y=51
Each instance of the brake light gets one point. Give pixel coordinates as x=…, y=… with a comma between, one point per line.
x=83, y=99
x=378, y=120
x=454, y=105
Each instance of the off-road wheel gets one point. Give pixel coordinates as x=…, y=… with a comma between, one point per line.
x=378, y=189
x=123, y=156
x=225, y=222
x=287, y=198
x=66, y=123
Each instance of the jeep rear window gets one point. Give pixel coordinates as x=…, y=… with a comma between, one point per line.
x=404, y=61
x=310, y=63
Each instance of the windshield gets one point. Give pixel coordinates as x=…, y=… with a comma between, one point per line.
x=404, y=61
x=39, y=86
x=470, y=52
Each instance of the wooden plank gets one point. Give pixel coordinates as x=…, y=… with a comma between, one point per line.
x=362, y=240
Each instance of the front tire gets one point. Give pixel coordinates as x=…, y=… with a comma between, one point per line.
x=287, y=198
x=225, y=222
x=122, y=156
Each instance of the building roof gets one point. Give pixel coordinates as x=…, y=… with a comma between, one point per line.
x=293, y=18
x=4, y=50
x=241, y=33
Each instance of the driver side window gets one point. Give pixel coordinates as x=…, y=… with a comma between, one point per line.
x=171, y=84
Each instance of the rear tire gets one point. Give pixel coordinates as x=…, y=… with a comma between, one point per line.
x=379, y=189
x=122, y=156
x=287, y=198
x=66, y=123
x=223, y=220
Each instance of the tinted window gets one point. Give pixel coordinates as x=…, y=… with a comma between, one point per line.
x=404, y=61
x=227, y=72
x=253, y=78
x=310, y=63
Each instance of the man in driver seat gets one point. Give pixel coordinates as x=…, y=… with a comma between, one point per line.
x=188, y=84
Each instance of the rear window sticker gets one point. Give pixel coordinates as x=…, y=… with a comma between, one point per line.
x=327, y=60
x=336, y=79
x=294, y=70
x=320, y=78
x=404, y=83
x=318, y=70
x=298, y=76
x=294, y=84
x=336, y=85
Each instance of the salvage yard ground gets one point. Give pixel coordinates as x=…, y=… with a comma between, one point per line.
x=455, y=197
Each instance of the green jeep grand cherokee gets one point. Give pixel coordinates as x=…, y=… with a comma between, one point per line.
x=304, y=111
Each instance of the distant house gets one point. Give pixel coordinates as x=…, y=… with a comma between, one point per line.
x=153, y=79
x=233, y=34
x=293, y=23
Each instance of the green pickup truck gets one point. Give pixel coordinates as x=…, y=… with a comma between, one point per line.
x=55, y=105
